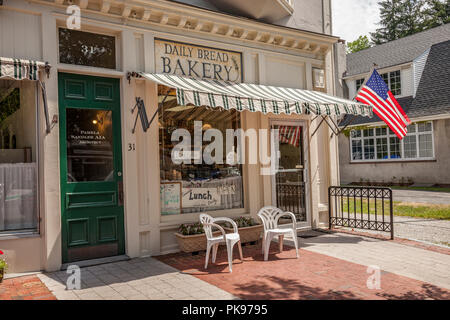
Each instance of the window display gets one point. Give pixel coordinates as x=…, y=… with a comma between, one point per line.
x=200, y=184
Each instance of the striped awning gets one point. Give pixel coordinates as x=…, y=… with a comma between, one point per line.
x=20, y=69
x=256, y=98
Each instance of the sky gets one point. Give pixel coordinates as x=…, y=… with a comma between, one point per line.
x=352, y=18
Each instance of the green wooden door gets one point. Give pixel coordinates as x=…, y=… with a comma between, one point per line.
x=91, y=167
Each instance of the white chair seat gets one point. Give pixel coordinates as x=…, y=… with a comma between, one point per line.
x=280, y=230
x=228, y=236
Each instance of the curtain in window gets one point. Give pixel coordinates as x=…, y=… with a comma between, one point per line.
x=18, y=196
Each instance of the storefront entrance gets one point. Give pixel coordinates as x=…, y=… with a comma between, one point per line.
x=91, y=167
x=289, y=182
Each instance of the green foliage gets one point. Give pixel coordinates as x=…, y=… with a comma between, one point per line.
x=436, y=13
x=401, y=18
x=417, y=210
x=3, y=264
x=347, y=131
x=191, y=229
x=359, y=44
x=9, y=104
x=242, y=222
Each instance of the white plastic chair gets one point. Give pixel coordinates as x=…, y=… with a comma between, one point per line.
x=230, y=239
x=270, y=216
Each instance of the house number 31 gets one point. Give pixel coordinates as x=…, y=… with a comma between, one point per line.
x=131, y=147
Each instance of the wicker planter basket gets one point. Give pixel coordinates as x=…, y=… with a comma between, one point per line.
x=192, y=243
x=248, y=234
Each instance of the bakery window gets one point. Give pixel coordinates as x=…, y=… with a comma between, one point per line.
x=197, y=183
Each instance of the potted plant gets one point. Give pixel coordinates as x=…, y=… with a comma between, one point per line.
x=249, y=230
x=191, y=237
x=3, y=266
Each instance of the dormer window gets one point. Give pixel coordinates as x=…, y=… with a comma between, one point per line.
x=393, y=80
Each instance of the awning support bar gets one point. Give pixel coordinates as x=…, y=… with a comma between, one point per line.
x=143, y=114
x=335, y=128
x=44, y=99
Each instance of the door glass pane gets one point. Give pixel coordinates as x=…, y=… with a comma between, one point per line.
x=89, y=145
x=289, y=180
x=87, y=49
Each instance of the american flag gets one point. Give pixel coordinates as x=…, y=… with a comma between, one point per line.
x=377, y=94
x=290, y=134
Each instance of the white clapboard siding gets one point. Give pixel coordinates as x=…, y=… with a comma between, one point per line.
x=418, y=67
x=407, y=82
x=20, y=35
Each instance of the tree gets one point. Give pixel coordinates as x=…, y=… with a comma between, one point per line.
x=359, y=44
x=436, y=13
x=398, y=18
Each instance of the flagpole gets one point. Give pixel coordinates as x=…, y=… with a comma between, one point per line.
x=372, y=69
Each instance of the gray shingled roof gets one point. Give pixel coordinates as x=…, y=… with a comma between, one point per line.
x=396, y=52
x=433, y=93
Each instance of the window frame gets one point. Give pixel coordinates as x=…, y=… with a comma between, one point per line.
x=389, y=135
x=7, y=234
x=389, y=84
x=190, y=217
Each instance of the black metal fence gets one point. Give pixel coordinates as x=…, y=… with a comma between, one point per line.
x=290, y=193
x=369, y=208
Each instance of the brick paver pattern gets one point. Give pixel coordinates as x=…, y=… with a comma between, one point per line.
x=312, y=276
x=24, y=288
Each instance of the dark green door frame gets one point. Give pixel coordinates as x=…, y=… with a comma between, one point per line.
x=92, y=213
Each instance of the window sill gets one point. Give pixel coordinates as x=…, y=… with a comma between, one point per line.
x=19, y=235
x=393, y=161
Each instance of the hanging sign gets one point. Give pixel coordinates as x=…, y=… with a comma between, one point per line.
x=198, y=62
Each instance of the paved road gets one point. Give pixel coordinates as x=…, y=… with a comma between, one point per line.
x=421, y=196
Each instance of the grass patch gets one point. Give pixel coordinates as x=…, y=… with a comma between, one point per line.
x=418, y=210
x=433, y=189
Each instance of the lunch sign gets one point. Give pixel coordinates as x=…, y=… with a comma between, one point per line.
x=198, y=62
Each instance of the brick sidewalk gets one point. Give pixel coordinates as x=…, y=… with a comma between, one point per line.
x=24, y=288
x=313, y=276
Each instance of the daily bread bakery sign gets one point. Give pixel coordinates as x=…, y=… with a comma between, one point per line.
x=198, y=62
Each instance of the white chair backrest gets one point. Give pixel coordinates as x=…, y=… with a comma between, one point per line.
x=269, y=216
x=206, y=218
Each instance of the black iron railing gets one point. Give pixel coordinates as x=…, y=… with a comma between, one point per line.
x=290, y=193
x=369, y=208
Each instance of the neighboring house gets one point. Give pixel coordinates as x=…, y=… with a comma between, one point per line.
x=416, y=69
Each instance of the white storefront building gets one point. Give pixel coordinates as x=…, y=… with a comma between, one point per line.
x=86, y=185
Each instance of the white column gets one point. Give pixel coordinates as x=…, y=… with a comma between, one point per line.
x=314, y=156
x=130, y=163
x=49, y=153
